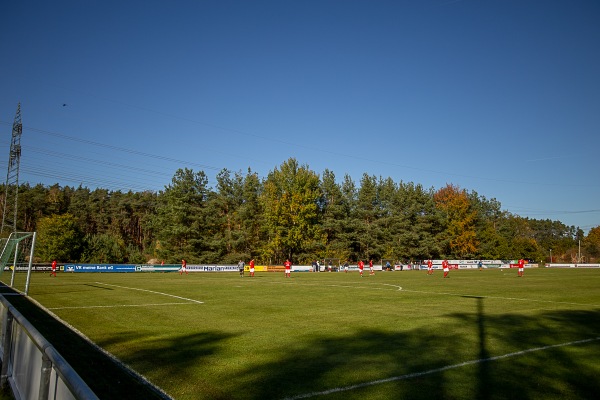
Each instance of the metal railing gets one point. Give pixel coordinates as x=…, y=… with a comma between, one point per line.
x=32, y=366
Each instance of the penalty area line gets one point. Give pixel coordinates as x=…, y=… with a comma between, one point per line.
x=152, y=291
x=436, y=370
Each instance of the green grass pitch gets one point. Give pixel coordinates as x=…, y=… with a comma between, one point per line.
x=478, y=334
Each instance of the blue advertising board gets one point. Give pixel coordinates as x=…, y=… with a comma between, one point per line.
x=99, y=268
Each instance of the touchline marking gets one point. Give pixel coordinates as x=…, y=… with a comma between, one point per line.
x=436, y=370
x=152, y=291
x=120, y=305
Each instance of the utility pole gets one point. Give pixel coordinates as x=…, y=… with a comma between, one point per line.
x=11, y=188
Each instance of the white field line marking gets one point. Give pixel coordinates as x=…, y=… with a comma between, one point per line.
x=503, y=298
x=119, y=305
x=400, y=288
x=363, y=287
x=395, y=286
x=152, y=291
x=436, y=370
x=125, y=367
x=368, y=286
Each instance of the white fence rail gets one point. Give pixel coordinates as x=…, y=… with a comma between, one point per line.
x=32, y=366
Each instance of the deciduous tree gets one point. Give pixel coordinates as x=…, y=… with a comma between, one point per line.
x=459, y=234
x=290, y=199
x=591, y=242
x=59, y=238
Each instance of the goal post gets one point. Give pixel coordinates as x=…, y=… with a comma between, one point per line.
x=17, y=257
x=331, y=264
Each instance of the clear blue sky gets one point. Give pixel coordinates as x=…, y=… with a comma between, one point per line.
x=498, y=97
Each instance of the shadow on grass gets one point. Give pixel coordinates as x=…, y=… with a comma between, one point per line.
x=418, y=364
x=103, y=375
x=484, y=375
x=58, y=288
x=174, y=357
x=554, y=371
x=413, y=361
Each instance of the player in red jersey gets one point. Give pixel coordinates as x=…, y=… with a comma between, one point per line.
x=53, y=273
x=288, y=268
x=183, y=267
x=445, y=267
x=429, y=267
x=521, y=267
x=361, y=266
x=371, y=272
x=252, y=267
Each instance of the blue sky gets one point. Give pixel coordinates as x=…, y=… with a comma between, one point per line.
x=497, y=97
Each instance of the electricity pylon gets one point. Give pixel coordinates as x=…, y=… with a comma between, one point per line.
x=11, y=188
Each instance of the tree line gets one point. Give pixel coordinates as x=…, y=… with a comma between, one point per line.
x=292, y=213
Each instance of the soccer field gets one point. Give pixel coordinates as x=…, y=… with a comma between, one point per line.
x=478, y=334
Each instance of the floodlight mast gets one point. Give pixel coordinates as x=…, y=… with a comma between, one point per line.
x=11, y=188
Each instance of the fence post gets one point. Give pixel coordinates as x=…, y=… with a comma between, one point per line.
x=45, y=378
x=6, y=348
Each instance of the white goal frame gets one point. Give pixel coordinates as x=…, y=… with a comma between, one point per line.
x=20, y=259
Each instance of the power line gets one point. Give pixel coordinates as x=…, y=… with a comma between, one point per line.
x=533, y=211
x=80, y=178
x=72, y=157
x=122, y=149
x=315, y=149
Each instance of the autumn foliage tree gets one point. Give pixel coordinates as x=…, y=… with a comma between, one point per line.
x=592, y=242
x=459, y=236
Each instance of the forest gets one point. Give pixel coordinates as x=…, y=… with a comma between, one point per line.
x=292, y=213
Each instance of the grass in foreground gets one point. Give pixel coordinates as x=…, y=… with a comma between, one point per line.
x=269, y=337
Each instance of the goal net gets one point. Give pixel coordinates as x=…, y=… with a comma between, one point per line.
x=16, y=260
x=330, y=264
